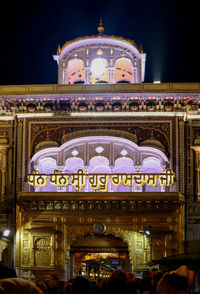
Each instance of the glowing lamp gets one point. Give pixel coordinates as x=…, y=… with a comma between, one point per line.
x=98, y=67
x=147, y=232
x=6, y=233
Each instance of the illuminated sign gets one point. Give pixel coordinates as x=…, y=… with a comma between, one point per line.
x=100, y=181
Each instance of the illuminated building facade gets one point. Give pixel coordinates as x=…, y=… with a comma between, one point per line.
x=125, y=136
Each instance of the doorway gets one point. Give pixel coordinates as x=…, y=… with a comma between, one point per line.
x=97, y=256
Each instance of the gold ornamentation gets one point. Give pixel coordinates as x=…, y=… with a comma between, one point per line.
x=26, y=257
x=100, y=181
x=100, y=29
x=99, y=52
x=43, y=244
x=101, y=132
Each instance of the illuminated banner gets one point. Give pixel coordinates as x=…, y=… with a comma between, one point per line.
x=100, y=181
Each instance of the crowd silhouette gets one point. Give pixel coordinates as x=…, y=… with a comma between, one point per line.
x=178, y=281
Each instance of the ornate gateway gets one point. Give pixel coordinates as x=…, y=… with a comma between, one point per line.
x=96, y=166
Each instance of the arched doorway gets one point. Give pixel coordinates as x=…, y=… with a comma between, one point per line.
x=96, y=256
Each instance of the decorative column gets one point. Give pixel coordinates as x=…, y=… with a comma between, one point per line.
x=19, y=154
x=111, y=75
x=87, y=75
x=52, y=252
x=3, y=181
x=181, y=156
x=138, y=169
x=163, y=188
x=198, y=181
x=64, y=76
x=197, y=169
x=134, y=76
x=3, y=161
x=87, y=182
x=32, y=252
x=167, y=241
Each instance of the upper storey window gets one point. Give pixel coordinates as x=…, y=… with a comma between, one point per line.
x=100, y=59
x=99, y=71
x=123, y=71
x=75, y=72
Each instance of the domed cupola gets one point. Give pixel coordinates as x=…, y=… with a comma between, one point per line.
x=152, y=142
x=100, y=59
x=47, y=143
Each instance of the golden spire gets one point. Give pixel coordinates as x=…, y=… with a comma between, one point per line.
x=100, y=29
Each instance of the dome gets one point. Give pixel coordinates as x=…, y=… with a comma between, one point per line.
x=47, y=143
x=197, y=141
x=100, y=59
x=152, y=142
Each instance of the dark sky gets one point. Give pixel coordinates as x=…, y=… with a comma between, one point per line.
x=31, y=31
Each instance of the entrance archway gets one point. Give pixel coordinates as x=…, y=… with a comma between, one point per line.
x=96, y=256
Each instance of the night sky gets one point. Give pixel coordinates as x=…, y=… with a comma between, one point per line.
x=30, y=32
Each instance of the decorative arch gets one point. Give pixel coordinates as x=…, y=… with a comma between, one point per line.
x=123, y=72
x=46, y=165
x=123, y=165
x=99, y=72
x=98, y=155
x=73, y=164
x=118, y=142
x=75, y=73
x=75, y=234
x=42, y=251
x=152, y=165
x=98, y=161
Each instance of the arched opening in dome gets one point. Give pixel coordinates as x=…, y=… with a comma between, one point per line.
x=123, y=71
x=99, y=73
x=75, y=73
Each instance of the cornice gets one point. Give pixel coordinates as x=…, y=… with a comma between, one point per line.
x=151, y=196
x=100, y=88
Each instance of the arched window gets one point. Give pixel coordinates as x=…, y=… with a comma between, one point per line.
x=72, y=165
x=99, y=165
x=99, y=72
x=123, y=165
x=123, y=71
x=75, y=73
x=47, y=165
x=152, y=165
